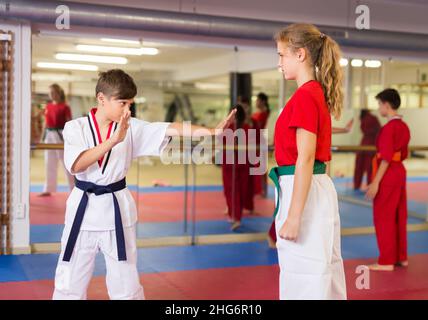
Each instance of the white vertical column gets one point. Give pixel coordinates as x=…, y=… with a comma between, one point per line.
x=363, y=95
x=348, y=86
x=21, y=117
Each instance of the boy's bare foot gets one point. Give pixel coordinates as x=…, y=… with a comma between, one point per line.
x=381, y=267
x=403, y=263
x=271, y=243
x=44, y=194
x=235, y=225
x=226, y=211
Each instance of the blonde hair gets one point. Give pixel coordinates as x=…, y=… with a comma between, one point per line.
x=57, y=88
x=324, y=55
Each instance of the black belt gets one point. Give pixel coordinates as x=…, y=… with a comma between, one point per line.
x=98, y=190
x=57, y=130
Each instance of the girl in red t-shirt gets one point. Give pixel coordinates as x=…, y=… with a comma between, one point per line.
x=307, y=215
x=57, y=113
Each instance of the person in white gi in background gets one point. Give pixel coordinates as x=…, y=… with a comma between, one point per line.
x=307, y=215
x=56, y=113
x=101, y=214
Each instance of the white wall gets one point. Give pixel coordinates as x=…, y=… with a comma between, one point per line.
x=20, y=135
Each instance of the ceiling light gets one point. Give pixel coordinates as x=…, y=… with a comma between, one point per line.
x=59, y=77
x=210, y=86
x=356, y=63
x=117, y=50
x=343, y=62
x=372, y=63
x=124, y=41
x=67, y=66
x=91, y=58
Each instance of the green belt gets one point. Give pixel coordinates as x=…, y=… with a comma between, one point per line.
x=275, y=173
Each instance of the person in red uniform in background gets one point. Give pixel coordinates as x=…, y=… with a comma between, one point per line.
x=249, y=197
x=236, y=175
x=370, y=127
x=388, y=187
x=57, y=113
x=260, y=119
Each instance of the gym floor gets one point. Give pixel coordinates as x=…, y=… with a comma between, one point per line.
x=223, y=264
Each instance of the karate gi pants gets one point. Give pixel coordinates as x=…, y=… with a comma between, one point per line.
x=52, y=157
x=312, y=267
x=72, y=278
x=390, y=220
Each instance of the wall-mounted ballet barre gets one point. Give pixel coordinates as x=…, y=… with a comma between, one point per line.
x=343, y=148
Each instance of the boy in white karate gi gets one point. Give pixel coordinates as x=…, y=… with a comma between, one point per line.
x=100, y=213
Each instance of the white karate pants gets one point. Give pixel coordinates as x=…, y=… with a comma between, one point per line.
x=72, y=278
x=52, y=157
x=312, y=267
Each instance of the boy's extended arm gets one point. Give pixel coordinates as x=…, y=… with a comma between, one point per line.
x=177, y=129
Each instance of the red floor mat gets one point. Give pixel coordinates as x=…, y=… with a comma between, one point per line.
x=260, y=282
x=153, y=207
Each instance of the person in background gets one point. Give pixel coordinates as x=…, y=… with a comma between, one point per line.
x=388, y=187
x=260, y=120
x=56, y=113
x=236, y=175
x=370, y=127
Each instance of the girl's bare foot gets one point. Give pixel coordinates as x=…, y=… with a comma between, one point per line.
x=381, y=267
x=44, y=194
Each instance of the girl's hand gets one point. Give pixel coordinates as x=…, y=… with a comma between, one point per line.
x=290, y=229
x=372, y=191
x=120, y=134
x=226, y=122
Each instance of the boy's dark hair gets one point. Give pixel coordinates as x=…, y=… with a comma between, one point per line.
x=116, y=83
x=391, y=96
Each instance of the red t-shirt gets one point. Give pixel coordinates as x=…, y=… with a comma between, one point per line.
x=261, y=118
x=306, y=109
x=394, y=136
x=56, y=115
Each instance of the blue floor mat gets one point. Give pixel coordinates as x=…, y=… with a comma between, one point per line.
x=168, y=259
